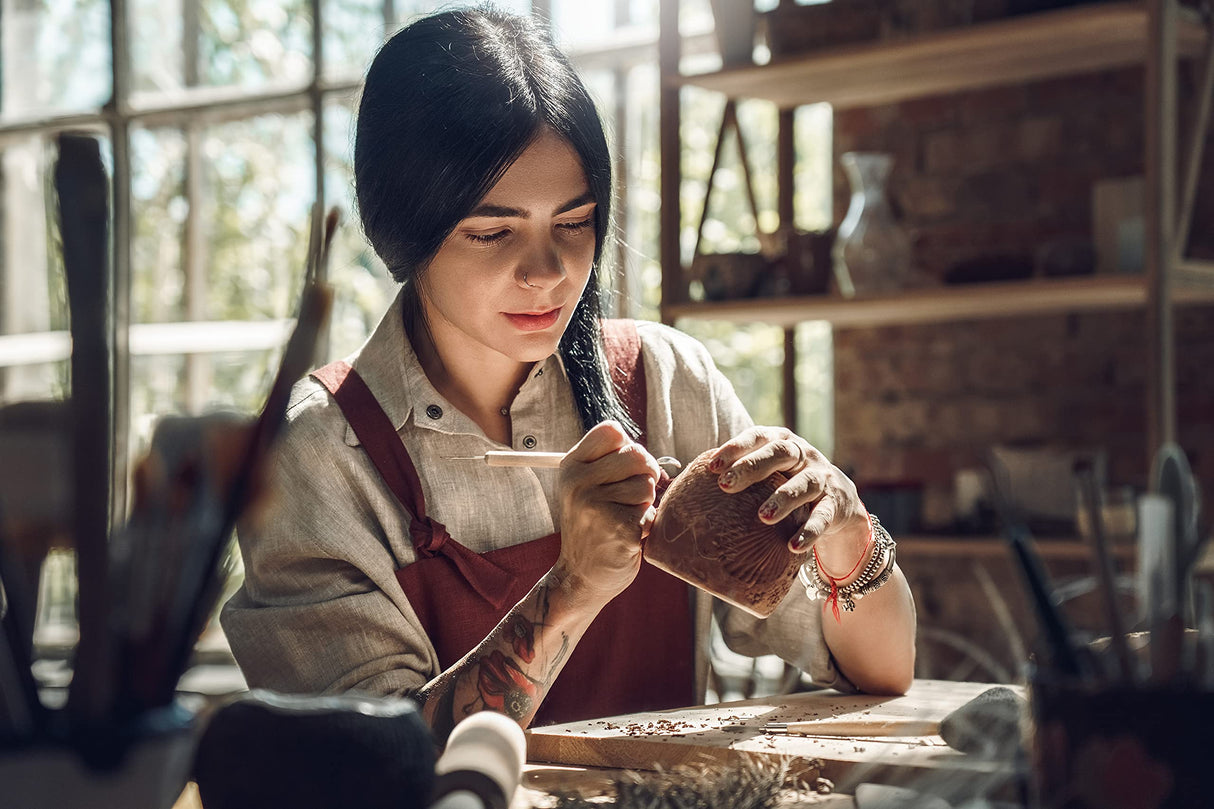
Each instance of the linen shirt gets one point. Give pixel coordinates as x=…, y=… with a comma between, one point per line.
x=320, y=609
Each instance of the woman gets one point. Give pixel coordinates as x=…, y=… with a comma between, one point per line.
x=390, y=566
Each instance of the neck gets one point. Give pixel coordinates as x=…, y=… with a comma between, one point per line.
x=480, y=382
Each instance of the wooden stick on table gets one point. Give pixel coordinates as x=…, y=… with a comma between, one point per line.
x=857, y=727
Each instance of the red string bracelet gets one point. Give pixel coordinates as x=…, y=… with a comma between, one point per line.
x=833, y=598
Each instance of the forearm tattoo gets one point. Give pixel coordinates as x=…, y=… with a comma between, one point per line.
x=502, y=685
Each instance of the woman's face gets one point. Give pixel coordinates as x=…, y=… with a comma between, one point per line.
x=507, y=279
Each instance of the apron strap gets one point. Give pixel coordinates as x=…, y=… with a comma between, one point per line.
x=622, y=349
x=387, y=453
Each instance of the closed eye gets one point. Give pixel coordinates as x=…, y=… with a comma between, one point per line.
x=576, y=226
x=487, y=238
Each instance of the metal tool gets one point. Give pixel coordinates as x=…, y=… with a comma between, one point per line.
x=1172, y=479
x=1105, y=576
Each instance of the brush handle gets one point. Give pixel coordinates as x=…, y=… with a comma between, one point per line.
x=859, y=727
x=533, y=460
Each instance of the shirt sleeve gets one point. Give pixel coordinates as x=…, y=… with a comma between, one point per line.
x=320, y=610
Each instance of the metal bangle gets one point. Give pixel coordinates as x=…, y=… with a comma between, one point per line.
x=876, y=573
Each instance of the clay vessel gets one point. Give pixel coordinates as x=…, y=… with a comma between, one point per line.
x=715, y=540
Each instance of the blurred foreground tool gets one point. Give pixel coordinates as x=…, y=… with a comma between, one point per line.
x=83, y=192
x=280, y=751
x=988, y=725
x=205, y=537
x=482, y=765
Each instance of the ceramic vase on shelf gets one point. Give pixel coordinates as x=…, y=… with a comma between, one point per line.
x=872, y=252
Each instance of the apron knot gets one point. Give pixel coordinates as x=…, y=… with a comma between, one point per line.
x=490, y=581
x=429, y=536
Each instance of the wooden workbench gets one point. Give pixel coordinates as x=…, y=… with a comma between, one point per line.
x=725, y=733
x=584, y=757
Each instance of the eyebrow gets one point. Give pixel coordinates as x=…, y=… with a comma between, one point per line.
x=518, y=213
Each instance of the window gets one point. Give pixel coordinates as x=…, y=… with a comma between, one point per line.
x=214, y=129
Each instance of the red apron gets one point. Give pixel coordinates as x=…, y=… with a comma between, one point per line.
x=637, y=655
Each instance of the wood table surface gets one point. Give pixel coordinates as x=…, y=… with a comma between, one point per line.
x=586, y=757
x=725, y=733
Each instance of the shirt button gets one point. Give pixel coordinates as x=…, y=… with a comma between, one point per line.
x=529, y=441
x=434, y=412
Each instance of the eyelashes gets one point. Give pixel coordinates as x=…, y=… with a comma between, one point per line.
x=491, y=238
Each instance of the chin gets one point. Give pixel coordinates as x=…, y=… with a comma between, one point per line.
x=537, y=347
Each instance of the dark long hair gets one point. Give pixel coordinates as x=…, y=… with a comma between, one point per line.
x=449, y=103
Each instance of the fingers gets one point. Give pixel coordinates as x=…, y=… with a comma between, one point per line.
x=823, y=514
x=602, y=439
x=803, y=488
x=607, y=457
x=638, y=490
x=758, y=452
x=816, y=493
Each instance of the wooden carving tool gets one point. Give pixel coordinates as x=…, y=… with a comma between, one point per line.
x=533, y=460
x=545, y=460
x=856, y=727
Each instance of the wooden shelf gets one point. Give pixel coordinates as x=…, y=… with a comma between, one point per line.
x=941, y=304
x=981, y=548
x=1034, y=46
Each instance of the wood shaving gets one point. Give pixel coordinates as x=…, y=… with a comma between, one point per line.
x=750, y=784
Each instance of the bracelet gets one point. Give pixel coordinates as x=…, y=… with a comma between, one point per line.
x=876, y=573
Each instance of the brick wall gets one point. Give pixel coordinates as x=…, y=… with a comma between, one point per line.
x=1009, y=170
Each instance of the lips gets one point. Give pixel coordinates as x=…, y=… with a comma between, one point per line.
x=533, y=321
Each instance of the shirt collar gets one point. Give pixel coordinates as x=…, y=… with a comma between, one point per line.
x=389, y=366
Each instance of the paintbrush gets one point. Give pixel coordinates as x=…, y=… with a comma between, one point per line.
x=200, y=580
x=856, y=727
x=21, y=710
x=1105, y=577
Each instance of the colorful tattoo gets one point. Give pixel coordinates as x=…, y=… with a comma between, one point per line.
x=501, y=683
x=505, y=688
x=523, y=638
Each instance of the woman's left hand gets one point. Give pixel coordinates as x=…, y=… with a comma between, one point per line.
x=815, y=485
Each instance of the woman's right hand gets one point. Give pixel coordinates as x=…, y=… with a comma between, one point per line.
x=607, y=487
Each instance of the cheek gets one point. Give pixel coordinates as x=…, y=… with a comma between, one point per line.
x=579, y=260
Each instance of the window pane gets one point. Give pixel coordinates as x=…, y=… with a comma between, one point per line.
x=751, y=356
x=55, y=56
x=243, y=276
x=158, y=210
x=361, y=285
x=578, y=23
x=258, y=187
x=354, y=30
x=157, y=47
x=34, y=346
x=252, y=42
x=407, y=10
x=815, y=374
x=813, y=199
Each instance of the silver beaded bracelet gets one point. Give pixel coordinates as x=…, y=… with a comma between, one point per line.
x=876, y=573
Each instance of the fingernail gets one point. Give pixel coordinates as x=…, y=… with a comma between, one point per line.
x=800, y=542
x=728, y=479
x=767, y=510
x=715, y=465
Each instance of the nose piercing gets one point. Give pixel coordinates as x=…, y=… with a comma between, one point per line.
x=528, y=283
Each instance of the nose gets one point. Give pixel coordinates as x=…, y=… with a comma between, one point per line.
x=542, y=267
